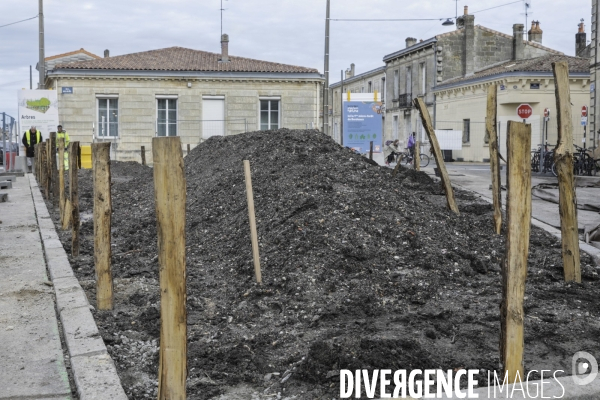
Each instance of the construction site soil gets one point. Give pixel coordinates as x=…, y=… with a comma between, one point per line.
x=361, y=270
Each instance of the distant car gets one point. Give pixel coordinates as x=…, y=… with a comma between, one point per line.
x=14, y=147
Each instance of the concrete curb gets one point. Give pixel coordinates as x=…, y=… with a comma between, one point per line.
x=93, y=370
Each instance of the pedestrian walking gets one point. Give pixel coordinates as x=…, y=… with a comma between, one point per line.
x=411, y=144
x=30, y=138
x=62, y=134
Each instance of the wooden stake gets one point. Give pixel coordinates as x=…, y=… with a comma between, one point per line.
x=170, y=197
x=143, y=152
x=371, y=150
x=53, y=169
x=514, y=272
x=563, y=157
x=61, y=177
x=48, y=166
x=35, y=161
x=66, y=221
x=397, y=167
x=417, y=158
x=188, y=148
x=490, y=126
x=44, y=169
x=74, y=196
x=437, y=153
x=252, y=218
x=102, y=225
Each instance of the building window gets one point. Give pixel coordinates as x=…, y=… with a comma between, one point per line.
x=383, y=89
x=362, y=89
x=370, y=87
x=395, y=127
x=108, y=117
x=408, y=80
x=166, y=123
x=423, y=79
x=269, y=115
x=466, y=131
x=396, y=83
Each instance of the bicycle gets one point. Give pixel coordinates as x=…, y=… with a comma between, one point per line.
x=408, y=158
x=548, y=159
x=583, y=163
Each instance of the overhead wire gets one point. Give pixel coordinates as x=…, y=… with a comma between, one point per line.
x=18, y=22
x=413, y=19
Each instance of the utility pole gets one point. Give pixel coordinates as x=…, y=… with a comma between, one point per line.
x=326, y=86
x=41, y=63
x=342, y=107
x=4, y=140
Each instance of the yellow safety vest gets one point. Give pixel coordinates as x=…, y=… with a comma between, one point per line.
x=28, y=136
x=64, y=135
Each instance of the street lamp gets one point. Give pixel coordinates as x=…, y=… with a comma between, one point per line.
x=447, y=22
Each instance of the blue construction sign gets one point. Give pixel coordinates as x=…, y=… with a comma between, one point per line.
x=362, y=125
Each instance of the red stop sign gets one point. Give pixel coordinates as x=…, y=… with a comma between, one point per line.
x=584, y=111
x=524, y=111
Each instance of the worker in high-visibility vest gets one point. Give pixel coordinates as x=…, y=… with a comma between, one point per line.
x=62, y=134
x=30, y=138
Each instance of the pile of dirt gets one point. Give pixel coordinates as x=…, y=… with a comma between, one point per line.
x=360, y=270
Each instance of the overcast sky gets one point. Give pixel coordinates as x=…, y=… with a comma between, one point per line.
x=284, y=31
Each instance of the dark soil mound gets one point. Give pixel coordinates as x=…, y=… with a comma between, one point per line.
x=360, y=270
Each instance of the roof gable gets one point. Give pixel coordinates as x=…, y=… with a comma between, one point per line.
x=183, y=59
x=81, y=52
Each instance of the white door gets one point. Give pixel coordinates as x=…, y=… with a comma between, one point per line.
x=213, y=117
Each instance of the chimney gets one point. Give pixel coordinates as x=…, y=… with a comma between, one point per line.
x=106, y=53
x=350, y=71
x=410, y=41
x=580, y=41
x=466, y=10
x=224, y=48
x=535, y=33
x=518, y=45
x=468, y=22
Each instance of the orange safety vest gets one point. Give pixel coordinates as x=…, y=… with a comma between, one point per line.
x=28, y=136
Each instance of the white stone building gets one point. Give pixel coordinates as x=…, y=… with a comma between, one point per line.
x=193, y=94
x=461, y=102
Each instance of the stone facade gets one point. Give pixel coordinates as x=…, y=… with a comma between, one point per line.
x=137, y=104
x=416, y=70
x=461, y=104
x=138, y=94
x=593, y=119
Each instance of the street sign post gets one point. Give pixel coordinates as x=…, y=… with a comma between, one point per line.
x=584, y=122
x=584, y=113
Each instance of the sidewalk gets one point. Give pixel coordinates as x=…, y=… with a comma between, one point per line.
x=32, y=364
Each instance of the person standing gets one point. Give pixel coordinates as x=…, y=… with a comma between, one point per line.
x=30, y=138
x=62, y=134
x=411, y=144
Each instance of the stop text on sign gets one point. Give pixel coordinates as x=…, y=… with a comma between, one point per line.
x=524, y=111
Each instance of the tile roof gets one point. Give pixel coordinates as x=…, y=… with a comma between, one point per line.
x=538, y=64
x=72, y=53
x=182, y=59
